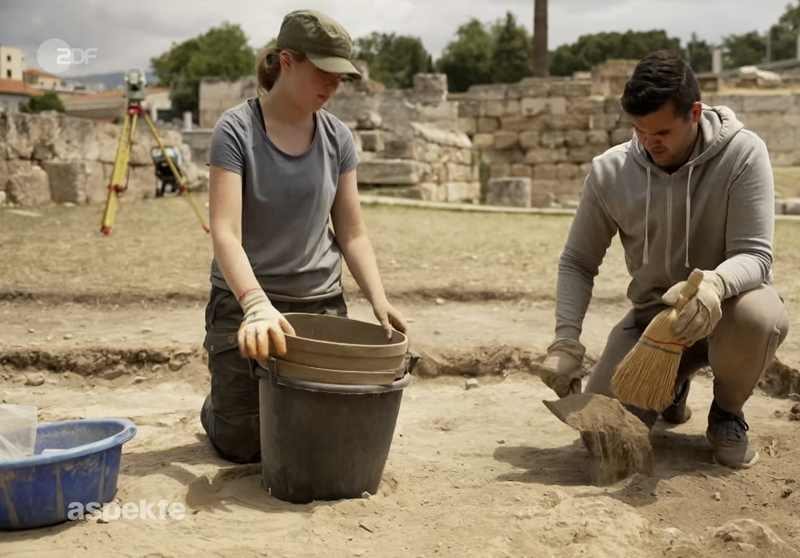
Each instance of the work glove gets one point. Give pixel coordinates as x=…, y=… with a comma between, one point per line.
x=261, y=323
x=700, y=315
x=561, y=370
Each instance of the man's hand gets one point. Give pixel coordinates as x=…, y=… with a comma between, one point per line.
x=700, y=315
x=561, y=371
x=261, y=321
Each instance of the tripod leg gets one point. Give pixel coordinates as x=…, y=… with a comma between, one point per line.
x=120, y=163
x=174, y=170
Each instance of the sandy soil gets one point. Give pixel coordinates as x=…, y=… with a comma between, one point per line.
x=480, y=472
x=112, y=327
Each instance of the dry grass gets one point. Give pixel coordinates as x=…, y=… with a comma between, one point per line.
x=787, y=182
x=158, y=250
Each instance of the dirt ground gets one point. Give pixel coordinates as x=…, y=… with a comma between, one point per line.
x=112, y=327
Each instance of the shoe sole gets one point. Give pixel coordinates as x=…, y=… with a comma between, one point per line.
x=742, y=465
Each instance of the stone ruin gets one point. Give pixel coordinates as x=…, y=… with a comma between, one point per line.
x=52, y=158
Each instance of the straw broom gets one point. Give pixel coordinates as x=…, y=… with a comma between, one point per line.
x=647, y=375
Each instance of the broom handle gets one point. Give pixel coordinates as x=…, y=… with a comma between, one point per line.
x=690, y=289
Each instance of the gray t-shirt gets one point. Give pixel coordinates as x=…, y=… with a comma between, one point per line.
x=286, y=202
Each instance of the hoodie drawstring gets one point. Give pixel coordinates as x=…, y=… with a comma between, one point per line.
x=647, y=220
x=688, y=212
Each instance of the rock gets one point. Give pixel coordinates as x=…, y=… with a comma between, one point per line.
x=511, y=192
x=34, y=380
x=717, y=496
x=369, y=120
x=472, y=383
x=113, y=374
x=372, y=140
x=28, y=185
x=390, y=172
x=791, y=206
x=786, y=492
x=751, y=532
x=439, y=301
x=68, y=181
x=68, y=336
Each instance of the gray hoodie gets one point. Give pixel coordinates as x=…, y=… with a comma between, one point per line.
x=714, y=213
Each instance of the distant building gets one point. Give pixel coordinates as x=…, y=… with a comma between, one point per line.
x=14, y=92
x=42, y=80
x=12, y=62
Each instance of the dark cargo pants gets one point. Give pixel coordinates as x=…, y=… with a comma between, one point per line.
x=230, y=413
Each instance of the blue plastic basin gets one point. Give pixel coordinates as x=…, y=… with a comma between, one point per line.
x=40, y=490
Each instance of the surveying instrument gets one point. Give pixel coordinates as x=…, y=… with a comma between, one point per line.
x=135, y=94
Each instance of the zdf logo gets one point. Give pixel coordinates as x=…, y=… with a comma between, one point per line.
x=56, y=56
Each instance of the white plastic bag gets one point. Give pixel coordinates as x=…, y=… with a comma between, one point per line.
x=17, y=431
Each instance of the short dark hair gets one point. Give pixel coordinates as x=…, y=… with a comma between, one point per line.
x=661, y=77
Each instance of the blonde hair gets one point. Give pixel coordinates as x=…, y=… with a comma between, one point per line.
x=268, y=66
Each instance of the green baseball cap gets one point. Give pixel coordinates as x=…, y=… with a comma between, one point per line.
x=321, y=39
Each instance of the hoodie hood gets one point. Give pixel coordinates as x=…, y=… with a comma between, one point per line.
x=716, y=129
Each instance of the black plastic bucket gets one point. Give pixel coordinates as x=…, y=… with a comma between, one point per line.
x=324, y=441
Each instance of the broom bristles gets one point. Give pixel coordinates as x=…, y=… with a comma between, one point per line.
x=647, y=375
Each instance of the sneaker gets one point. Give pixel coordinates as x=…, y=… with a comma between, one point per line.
x=679, y=412
x=727, y=433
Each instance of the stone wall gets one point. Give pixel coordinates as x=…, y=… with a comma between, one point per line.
x=52, y=158
x=549, y=130
x=408, y=139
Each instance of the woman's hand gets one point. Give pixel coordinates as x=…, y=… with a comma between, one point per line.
x=389, y=317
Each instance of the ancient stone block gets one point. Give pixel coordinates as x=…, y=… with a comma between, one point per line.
x=390, y=171
x=430, y=83
x=462, y=156
x=545, y=171
x=529, y=88
x=582, y=154
x=553, y=139
x=568, y=171
x=465, y=192
x=521, y=170
x=491, y=92
x=785, y=103
x=791, y=206
x=569, y=88
x=566, y=121
x=372, y=140
x=27, y=185
x=506, y=140
x=483, y=141
x=501, y=170
x=510, y=192
x=543, y=105
x=521, y=123
x=506, y=156
x=488, y=125
x=460, y=173
x=468, y=125
x=621, y=135
x=598, y=138
x=605, y=122
x=529, y=140
x=576, y=138
x=544, y=155
x=68, y=181
x=593, y=105
x=429, y=191
x=369, y=120
x=470, y=108
x=499, y=109
x=399, y=148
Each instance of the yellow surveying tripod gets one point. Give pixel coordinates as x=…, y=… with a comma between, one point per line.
x=135, y=95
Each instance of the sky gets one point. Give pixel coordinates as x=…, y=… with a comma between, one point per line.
x=128, y=34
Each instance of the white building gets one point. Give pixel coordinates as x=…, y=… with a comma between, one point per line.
x=12, y=63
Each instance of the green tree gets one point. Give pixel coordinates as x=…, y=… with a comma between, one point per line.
x=393, y=59
x=49, y=100
x=590, y=50
x=467, y=59
x=744, y=50
x=784, y=34
x=222, y=51
x=512, y=51
x=700, y=55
